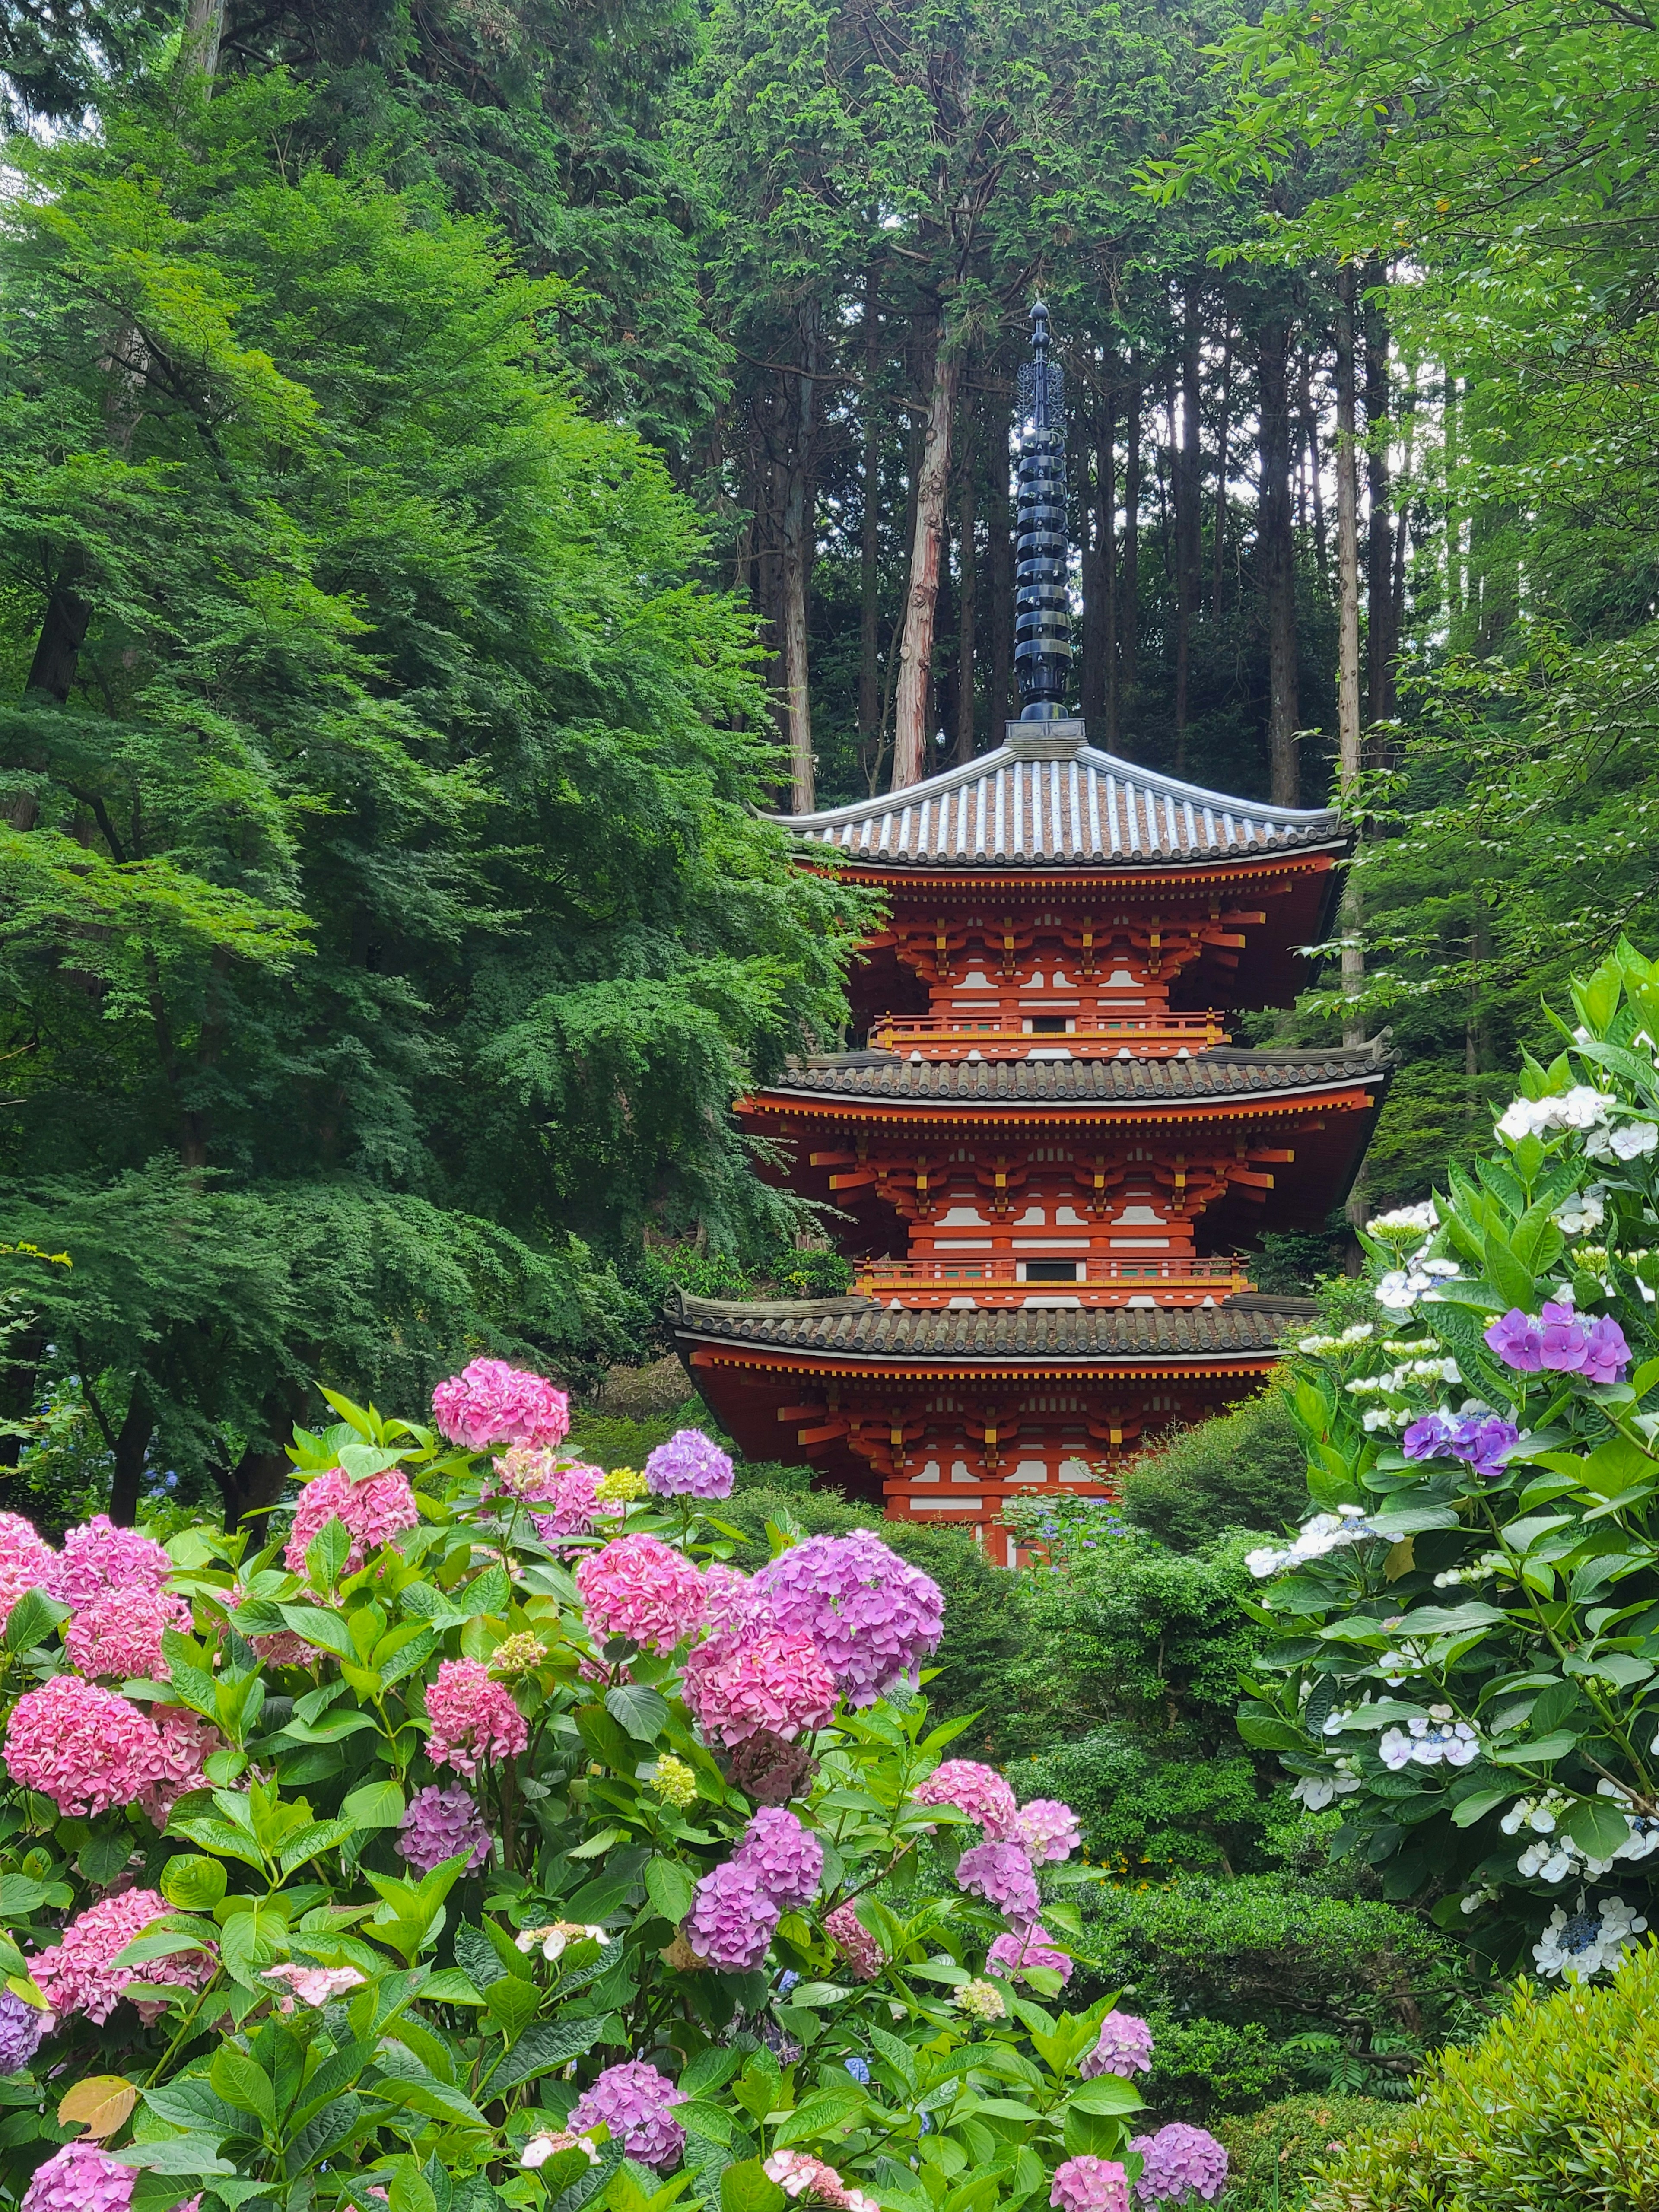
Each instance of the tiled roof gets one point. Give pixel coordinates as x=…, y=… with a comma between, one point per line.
x=853, y=1329
x=1047, y=798
x=1224, y=1073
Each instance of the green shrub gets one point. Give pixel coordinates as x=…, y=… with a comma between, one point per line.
x=1139, y=1807
x=1247, y=1469
x=1269, y=2153
x=1202, y=2067
x=1552, y=2110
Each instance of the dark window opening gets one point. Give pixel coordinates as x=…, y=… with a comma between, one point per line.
x=1048, y=1026
x=1051, y=1270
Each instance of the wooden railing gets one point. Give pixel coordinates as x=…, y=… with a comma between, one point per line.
x=1184, y=1281
x=947, y=1037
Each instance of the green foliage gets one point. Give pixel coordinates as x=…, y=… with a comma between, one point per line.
x=1553, y=2106
x=1246, y=1470
x=1270, y=2152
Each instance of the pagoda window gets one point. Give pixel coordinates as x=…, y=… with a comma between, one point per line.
x=1049, y=1025
x=1051, y=1270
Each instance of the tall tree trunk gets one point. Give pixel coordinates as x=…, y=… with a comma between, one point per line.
x=1380, y=642
x=1128, y=603
x=1347, y=680
x=1452, y=532
x=870, y=535
x=794, y=571
x=1218, y=564
x=1000, y=555
x=1185, y=479
x=966, y=591
x=1278, y=561
x=62, y=632
x=132, y=1446
x=1310, y=446
x=922, y=599
x=204, y=27
x=1106, y=530
x=1091, y=683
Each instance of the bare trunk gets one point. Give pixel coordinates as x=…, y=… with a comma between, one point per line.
x=1128, y=605
x=916, y=648
x=1185, y=477
x=1106, y=525
x=130, y=1448
x=1091, y=676
x=869, y=539
x=1452, y=532
x=204, y=27
x=967, y=598
x=795, y=562
x=1278, y=562
x=1000, y=550
x=63, y=633
x=1310, y=446
x=1219, y=550
x=1347, y=684
x=1380, y=643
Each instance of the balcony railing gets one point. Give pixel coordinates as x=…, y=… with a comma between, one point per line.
x=1144, y=1036
x=1183, y=1281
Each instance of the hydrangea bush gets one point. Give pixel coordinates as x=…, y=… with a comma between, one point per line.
x=488, y=1839
x=1465, y=1656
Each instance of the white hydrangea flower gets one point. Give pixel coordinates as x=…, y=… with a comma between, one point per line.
x=1581, y=1108
x=1360, y=1332
x=1405, y=1220
x=1317, y=1792
x=1576, y=1216
x=1538, y=1813
x=1581, y=1945
x=1545, y=1862
x=1326, y=1532
x=1626, y=1140
x=1435, y=1741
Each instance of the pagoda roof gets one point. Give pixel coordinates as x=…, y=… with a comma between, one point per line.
x=1048, y=799
x=1223, y=1074
x=856, y=1329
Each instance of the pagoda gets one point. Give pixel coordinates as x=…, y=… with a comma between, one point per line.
x=1047, y=1155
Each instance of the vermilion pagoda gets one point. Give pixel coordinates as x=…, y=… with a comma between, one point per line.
x=1049, y=1148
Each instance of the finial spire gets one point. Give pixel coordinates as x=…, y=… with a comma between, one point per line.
x=1042, y=610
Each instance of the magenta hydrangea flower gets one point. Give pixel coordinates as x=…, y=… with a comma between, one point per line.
x=473, y=1718
x=281, y=1649
x=86, y=1749
x=374, y=1511
x=490, y=1402
x=730, y=1598
x=732, y=1917
x=77, y=1974
x=1090, y=2184
x=185, y=1741
x=633, y=2101
x=857, y=1946
x=755, y=1678
x=441, y=1822
x=22, y=2028
x=874, y=1617
x=690, y=1465
x=1124, y=2047
x=1049, y=1829
x=787, y=1858
x=1180, y=2163
x=577, y=1509
x=979, y=1791
x=119, y=1632
x=1001, y=1874
x=641, y=1588
x=79, y=2177
x=98, y=1557
x=1011, y=1953
x=25, y=1560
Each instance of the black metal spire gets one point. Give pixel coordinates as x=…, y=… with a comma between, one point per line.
x=1043, y=610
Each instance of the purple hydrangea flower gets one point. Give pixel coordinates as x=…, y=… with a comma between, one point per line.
x=732, y=1917
x=633, y=2101
x=1517, y=1342
x=1178, y=2164
x=874, y=1617
x=438, y=1824
x=1606, y=1352
x=21, y=2028
x=690, y=1465
x=787, y=1859
x=1001, y=1874
x=1125, y=2047
x=1481, y=1442
x=1429, y=1439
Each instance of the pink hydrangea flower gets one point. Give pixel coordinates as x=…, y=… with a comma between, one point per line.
x=798, y=2173
x=25, y=1560
x=77, y=1973
x=729, y=1598
x=641, y=1588
x=732, y=1917
x=473, y=1718
x=99, y=1556
x=1048, y=1830
x=577, y=1509
x=490, y=1402
x=119, y=1632
x=281, y=1648
x=374, y=1511
x=755, y=1678
x=86, y=1749
x=635, y=2102
x=1001, y=1874
x=315, y=1986
x=788, y=1860
x=874, y=1617
x=1011, y=1955
x=184, y=1743
x=1178, y=2164
x=979, y=1791
x=1124, y=2047
x=690, y=1465
x=79, y=2177
x=1090, y=2184
x=857, y=1946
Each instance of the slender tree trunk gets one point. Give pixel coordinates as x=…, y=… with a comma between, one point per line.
x=795, y=562
x=1381, y=642
x=966, y=591
x=1452, y=530
x=1186, y=474
x=1000, y=552
x=1097, y=553
x=1106, y=537
x=1310, y=446
x=1219, y=550
x=1347, y=682
x=204, y=27
x=1129, y=605
x=132, y=1446
x=917, y=648
x=1278, y=561
x=870, y=537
